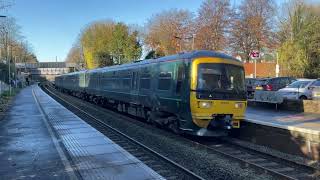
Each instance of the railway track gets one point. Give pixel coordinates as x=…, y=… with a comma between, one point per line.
x=279, y=167
x=161, y=164
x=266, y=163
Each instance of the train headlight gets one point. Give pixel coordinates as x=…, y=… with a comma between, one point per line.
x=204, y=104
x=239, y=105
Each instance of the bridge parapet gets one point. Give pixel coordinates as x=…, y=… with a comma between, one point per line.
x=47, y=70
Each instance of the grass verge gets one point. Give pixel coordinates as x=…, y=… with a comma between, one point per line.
x=5, y=100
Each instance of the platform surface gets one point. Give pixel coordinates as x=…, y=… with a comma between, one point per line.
x=43, y=140
x=27, y=149
x=293, y=121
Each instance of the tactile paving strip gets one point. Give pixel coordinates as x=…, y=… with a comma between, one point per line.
x=94, y=155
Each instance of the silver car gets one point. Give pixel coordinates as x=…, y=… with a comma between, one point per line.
x=301, y=89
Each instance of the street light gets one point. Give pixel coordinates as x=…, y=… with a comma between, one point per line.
x=186, y=38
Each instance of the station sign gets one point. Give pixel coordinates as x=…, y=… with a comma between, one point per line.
x=255, y=54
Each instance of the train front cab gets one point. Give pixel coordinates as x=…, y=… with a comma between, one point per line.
x=217, y=95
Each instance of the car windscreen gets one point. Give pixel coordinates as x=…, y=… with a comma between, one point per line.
x=316, y=83
x=250, y=81
x=220, y=77
x=260, y=82
x=298, y=84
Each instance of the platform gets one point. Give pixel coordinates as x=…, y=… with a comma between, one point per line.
x=288, y=131
x=41, y=139
x=290, y=120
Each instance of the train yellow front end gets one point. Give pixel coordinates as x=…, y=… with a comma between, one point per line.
x=218, y=93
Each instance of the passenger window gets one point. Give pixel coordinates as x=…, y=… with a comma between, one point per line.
x=164, y=84
x=165, y=76
x=126, y=83
x=145, y=81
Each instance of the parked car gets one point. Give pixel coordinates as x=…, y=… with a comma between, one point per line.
x=250, y=83
x=258, y=84
x=300, y=89
x=274, y=84
x=316, y=90
x=316, y=93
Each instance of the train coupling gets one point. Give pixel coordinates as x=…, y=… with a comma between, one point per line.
x=221, y=122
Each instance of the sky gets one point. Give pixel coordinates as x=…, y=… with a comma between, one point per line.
x=52, y=26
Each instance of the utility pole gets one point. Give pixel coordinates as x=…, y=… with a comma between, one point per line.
x=9, y=73
x=255, y=68
x=277, y=66
x=193, y=37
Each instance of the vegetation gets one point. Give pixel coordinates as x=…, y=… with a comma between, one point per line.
x=5, y=100
x=253, y=28
x=299, y=50
x=291, y=32
x=168, y=31
x=13, y=47
x=106, y=43
x=213, y=25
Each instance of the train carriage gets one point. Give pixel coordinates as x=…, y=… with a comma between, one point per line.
x=199, y=92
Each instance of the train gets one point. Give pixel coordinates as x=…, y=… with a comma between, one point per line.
x=201, y=93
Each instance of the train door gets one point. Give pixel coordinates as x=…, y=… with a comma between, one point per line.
x=134, y=93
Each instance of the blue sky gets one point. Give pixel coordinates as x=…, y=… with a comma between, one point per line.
x=52, y=26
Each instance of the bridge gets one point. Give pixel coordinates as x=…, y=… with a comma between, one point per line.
x=44, y=70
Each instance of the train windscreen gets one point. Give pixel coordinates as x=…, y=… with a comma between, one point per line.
x=214, y=77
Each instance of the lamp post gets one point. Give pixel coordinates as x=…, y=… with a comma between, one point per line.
x=193, y=37
x=186, y=38
x=7, y=59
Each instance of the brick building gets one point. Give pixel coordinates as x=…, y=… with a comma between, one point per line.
x=264, y=69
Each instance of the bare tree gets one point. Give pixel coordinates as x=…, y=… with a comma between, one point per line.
x=169, y=31
x=212, y=24
x=75, y=55
x=253, y=27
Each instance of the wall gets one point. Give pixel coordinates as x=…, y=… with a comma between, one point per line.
x=263, y=69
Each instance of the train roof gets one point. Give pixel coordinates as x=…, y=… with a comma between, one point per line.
x=184, y=55
x=197, y=54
